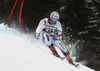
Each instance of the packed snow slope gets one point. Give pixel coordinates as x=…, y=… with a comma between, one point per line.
x=17, y=53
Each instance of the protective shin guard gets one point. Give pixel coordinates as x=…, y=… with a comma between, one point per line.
x=68, y=58
x=53, y=50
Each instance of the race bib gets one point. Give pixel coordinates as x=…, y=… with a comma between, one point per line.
x=48, y=30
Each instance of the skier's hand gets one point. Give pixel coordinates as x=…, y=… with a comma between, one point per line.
x=60, y=37
x=37, y=35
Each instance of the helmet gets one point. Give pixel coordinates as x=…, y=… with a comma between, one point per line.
x=54, y=16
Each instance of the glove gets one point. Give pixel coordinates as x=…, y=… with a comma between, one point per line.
x=37, y=35
x=6, y=25
x=60, y=37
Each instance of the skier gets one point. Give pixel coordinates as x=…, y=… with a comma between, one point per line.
x=46, y=29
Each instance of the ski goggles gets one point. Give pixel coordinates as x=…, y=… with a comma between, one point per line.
x=54, y=20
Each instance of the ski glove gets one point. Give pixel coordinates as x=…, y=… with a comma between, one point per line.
x=60, y=37
x=37, y=35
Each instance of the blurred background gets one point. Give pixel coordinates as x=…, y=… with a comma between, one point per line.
x=80, y=20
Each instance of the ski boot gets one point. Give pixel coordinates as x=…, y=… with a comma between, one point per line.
x=76, y=65
x=70, y=60
x=55, y=53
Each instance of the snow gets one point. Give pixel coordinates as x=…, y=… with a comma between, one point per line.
x=82, y=32
x=89, y=0
x=90, y=26
x=17, y=53
x=97, y=1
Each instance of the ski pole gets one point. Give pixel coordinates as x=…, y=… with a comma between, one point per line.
x=65, y=46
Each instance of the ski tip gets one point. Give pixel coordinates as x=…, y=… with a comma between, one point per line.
x=77, y=65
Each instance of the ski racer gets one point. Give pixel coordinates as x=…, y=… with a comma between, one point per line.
x=46, y=29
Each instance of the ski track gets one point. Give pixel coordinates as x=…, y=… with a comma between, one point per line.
x=18, y=53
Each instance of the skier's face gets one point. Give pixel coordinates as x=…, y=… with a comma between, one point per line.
x=52, y=23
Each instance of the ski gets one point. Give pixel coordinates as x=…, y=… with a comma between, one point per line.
x=58, y=56
x=62, y=58
x=76, y=65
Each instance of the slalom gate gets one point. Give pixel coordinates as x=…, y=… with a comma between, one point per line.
x=20, y=13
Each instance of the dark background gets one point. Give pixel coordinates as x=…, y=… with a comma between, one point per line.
x=80, y=21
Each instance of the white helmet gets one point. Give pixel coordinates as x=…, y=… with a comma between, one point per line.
x=54, y=16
